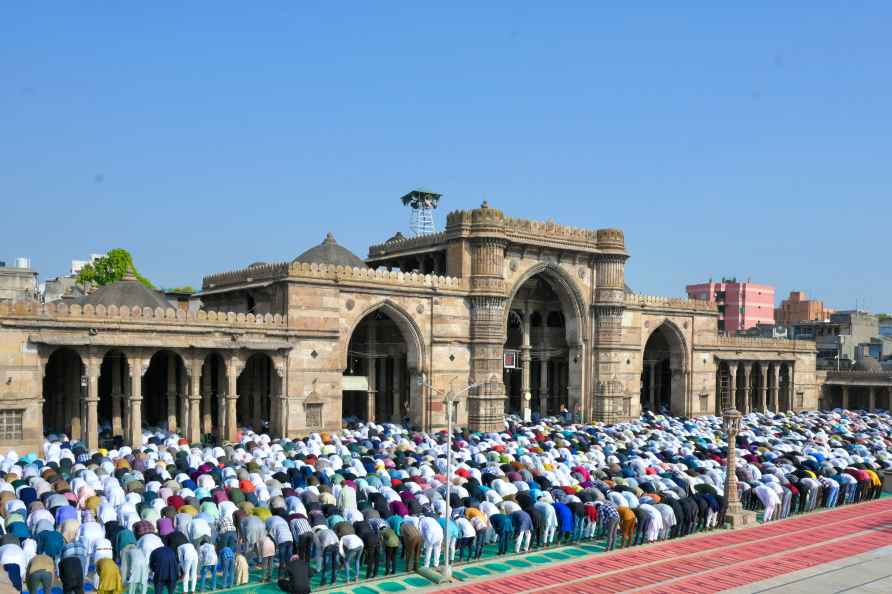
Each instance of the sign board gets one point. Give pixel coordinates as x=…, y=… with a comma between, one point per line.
x=355, y=383
x=510, y=359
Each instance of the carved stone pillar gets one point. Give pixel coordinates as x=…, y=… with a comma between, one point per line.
x=231, y=418
x=233, y=367
x=134, y=417
x=775, y=387
x=526, y=361
x=194, y=424
x=735, y=513
x=763, y=388
x=172, y=365
x=872, y=399
x=732, y=389
x=486, y=229
x=610, y=401
x=372, y=394
x=747, y=369
x=845, y=397
x=92, y=403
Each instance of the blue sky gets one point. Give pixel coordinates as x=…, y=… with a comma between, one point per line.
x=750, y=140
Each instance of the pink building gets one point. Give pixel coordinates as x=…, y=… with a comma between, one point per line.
x=741, y=305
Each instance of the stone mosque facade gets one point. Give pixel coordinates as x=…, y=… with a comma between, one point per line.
x=510, y=316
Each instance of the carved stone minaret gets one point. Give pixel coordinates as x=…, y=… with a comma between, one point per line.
x=486, y=234
x=610, y=402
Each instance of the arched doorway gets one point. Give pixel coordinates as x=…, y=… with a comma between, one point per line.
x=543, y=369
x=376, y=383
x=64, y=388
x=113, y=378
x=663, y=384
x=164, y=392
x=256, y=385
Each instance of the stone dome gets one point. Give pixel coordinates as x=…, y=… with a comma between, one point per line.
x=868, y=364
x=331, y=253
x=127, y=291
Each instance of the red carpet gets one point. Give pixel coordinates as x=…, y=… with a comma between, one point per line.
x=714, y=562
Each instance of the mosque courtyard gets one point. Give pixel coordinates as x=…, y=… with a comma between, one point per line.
x=813, y=478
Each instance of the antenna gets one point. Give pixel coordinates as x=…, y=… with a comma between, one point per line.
x=422, y=202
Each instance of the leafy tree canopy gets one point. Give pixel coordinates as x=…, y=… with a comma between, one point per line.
x=183, y=289
x=111, y=268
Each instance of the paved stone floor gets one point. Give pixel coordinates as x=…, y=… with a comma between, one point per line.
x=869, y=572
x=725, y=560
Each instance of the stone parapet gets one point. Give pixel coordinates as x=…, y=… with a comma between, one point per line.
x=368, y=275
x=75, y=312
x=254, y=273
x=406, y=244
x=670, y=302
x=749, y=342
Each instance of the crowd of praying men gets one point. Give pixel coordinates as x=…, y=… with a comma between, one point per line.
x=373, y=496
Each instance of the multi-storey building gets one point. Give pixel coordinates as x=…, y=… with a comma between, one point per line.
x=741, y=305
x=798, y=308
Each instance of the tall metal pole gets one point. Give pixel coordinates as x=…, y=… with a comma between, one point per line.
x=447, y=566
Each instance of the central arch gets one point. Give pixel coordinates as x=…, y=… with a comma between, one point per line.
x=384, y=352
x=543, y=331
x=664, y=375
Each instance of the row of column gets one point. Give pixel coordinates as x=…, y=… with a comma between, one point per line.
x=526, y=361
x=126, y=399
x=768, y=394
x=871, y=396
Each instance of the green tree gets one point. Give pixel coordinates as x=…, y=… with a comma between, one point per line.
x=184, y=289
x=111, y=268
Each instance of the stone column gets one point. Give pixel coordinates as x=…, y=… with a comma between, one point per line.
x=372, y=365
x=732, y=389
x=526, y=361
x=763, y=388
x=92, y=428
x=652, y=386
x=134, y=418
x=543, y=386
x=845, y=397
x=747, y=386
x=207, y=419
x=171, y=392
x=194, y=425
x=231, y=400
x=735, y=513
x=775, y=388
x=117, y=393
x=396, y=395
x=872, y=399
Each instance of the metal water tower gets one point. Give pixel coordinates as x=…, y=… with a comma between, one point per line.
x=422, y=202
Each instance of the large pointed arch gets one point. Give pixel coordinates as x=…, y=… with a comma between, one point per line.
x=572, y=301
x=410, y=331
x=666, y=368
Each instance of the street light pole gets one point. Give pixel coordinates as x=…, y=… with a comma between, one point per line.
x=449, y=399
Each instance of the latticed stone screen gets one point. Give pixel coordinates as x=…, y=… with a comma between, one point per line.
x=314, y=415
x=11, y=425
